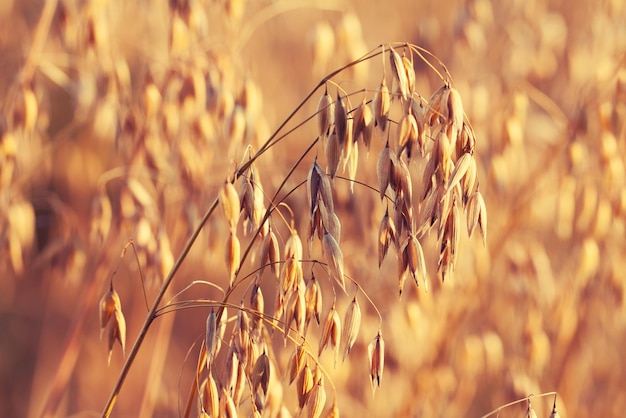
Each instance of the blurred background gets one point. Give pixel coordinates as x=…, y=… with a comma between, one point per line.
x=121, y=120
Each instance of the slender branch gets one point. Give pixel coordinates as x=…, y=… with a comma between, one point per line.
x=526, y=399
x=152, y=314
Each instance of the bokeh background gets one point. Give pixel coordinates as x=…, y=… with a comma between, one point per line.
x=116, y=124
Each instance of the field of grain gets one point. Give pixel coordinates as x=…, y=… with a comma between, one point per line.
x=185, y=142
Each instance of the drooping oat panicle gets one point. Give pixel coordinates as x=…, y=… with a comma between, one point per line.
x=381, y=104
x=333, y=154
x=341, y=120
x=316, y=401
x=334, y=258
x=386, y=235
x=232, y=256
x=325, y=114
x=376, y=355
x=399, y=73
x=351, y=325
x=383, y=170
x=229, y=198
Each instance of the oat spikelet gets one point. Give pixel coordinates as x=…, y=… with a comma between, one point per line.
x=229, y=198
x=410, y=73
x=554, y=413
x=257, y=303
x=416, y=261
x=530, y=412
x=313, y=181
x=227, y=405
x=383, y=170
x=117, y=332
x=381, y=103
x=261, y=373
x=334, y=258
x=324, y=115
x=333, y=154
x=455, y=112
x=341, y=120
x=211, y=397
x=376, y=355
x=351, y=324
x=386, y=235
x=399, y=74
x=233, y=254
x=313, y=300
x=363, y=124
x=296, y=363
x=407, y=140
x=316, y=401
x=304, y=384
x=211, y=338
x=462, y=167
x=109, y=303
x=331, y=333
x=269, y=254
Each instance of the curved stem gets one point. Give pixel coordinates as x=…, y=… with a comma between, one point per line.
x=526, y=399
x=152, y=313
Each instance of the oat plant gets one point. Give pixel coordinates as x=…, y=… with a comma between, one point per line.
x=427, y=181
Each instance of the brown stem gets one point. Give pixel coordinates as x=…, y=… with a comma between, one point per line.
x=152, y=314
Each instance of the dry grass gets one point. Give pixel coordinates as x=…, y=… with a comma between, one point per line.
x=128, y=121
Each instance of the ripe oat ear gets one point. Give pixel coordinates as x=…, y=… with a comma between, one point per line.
x=351, y=324
x=376, y=355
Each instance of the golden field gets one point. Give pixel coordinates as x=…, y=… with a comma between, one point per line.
x=121, y=121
